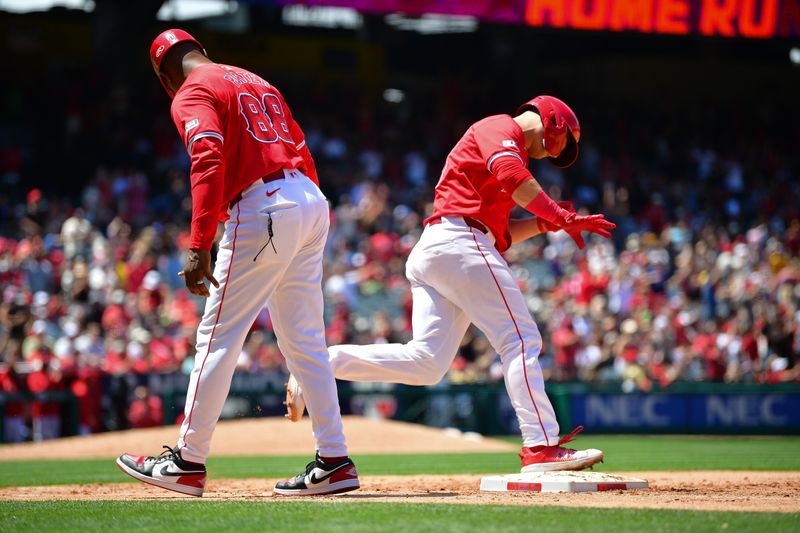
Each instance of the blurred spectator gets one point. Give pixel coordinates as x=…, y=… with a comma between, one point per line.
x=146, y=410
x=700, y=283
x=11, y=383
x=45, y=411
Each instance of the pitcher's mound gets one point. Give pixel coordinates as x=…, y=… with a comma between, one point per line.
x=264, y=436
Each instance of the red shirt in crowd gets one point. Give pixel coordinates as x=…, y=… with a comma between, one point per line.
x=41, y=381
x=88, y=389
x=566, y=344
x=237, y=129
x=146, y=412
x=469, y=187
x=11, y=383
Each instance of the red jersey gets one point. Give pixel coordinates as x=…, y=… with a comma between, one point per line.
x=237, y=129
x=468, y=186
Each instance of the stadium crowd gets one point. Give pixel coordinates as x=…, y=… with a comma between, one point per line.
x=701, y=281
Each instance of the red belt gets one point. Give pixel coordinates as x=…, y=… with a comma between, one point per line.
x=277, y=175
x=471, y=222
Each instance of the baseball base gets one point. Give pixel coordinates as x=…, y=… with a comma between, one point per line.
x=560, y=481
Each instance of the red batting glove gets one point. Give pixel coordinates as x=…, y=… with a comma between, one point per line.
x=544, y=207
x=554, y=217
x=545, y=226
x=596, y=224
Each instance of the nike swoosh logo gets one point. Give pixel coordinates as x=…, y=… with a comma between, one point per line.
x=315, y=479
x=165, y=472
x=273, y=192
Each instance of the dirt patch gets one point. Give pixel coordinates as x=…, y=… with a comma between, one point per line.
x=264, y=436
x=706, y=491
x=696, y=490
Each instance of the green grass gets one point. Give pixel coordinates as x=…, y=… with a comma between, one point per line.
x=351, y=517
x=623, y=453
x=21, y=473
x=356, y=513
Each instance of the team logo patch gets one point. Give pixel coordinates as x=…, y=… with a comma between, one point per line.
x=192, y=124
x=170, y=37
x=160, y=51
x=508, y=143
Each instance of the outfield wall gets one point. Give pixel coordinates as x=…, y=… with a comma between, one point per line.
x=684, y=408
x=700, y=412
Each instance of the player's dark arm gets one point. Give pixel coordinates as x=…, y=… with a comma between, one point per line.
x=207, y=185
x=197, y=119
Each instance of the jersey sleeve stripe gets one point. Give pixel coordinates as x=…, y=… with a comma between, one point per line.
x=205, y=134
x=301, y=144
x=501, y=154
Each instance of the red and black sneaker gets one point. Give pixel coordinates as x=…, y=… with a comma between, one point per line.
x=550, y=458
x=168, y=471
x=322, y=476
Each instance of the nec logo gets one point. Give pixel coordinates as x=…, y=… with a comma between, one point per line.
x=170, y=37
x=508, y=143
x=191, y=124
x=160, y=51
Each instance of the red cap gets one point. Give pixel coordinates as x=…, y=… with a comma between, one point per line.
x=162, y=44
x=561, y=128
x=34, y=195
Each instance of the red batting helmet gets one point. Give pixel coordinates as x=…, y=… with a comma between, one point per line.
x=561, y=128
x=162, y=44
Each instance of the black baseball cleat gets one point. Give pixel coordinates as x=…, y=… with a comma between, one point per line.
x=321, y=478
x=168, y=471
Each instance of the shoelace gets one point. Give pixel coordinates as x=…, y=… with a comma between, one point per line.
x=569, y=437
x=167, y=454
x=309, y=467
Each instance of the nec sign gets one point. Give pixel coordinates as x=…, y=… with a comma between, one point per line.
x=686, y=411
x=749, y=410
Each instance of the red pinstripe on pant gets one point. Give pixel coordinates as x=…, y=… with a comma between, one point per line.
x=213, y=329
x=516, y=327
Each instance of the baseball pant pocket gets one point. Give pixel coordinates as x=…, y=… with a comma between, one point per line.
x=270, y=219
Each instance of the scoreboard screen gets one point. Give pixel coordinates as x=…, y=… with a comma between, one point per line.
x=758, y=19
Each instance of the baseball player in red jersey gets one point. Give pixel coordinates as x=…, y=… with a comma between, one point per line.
x=251, y=169
x=458, y=274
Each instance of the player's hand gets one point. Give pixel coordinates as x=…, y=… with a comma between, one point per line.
x=545, y=225
x=596, y=224
x=196, y=271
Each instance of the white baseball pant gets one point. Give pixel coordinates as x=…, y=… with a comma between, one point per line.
x=286, y=278
x=458, y=277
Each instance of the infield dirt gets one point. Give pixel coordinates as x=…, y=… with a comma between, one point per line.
x=693, y=490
